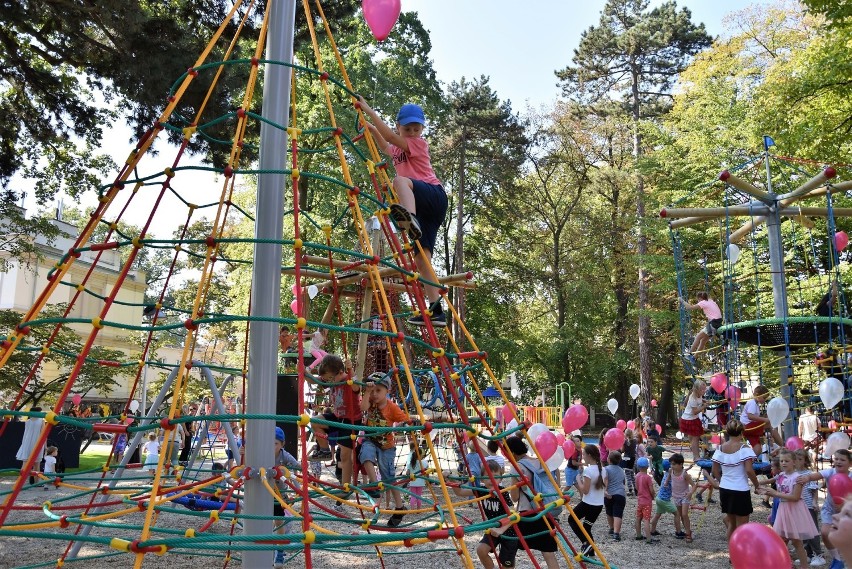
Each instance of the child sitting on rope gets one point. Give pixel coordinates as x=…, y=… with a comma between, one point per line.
x=423, y=202
x=714, y=321
x=756, y=424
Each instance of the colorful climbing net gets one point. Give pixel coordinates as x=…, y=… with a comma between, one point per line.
x=355, y=255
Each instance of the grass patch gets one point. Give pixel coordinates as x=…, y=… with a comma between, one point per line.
x=94, y=457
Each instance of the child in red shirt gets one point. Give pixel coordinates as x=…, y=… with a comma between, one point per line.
x=645, y=497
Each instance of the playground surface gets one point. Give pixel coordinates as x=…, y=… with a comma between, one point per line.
x=709, y=549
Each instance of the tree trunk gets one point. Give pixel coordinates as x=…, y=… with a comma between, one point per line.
x=458, y=297
x=668, y=413
x=642, y=247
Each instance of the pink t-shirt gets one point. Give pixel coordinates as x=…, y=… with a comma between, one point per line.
x=710, y=308
x=416, y=163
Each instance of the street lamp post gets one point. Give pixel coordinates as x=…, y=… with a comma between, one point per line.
x=562, y=393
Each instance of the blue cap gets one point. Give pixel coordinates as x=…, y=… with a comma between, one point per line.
x=279, y=434
x=410, y=113
x=642, y=462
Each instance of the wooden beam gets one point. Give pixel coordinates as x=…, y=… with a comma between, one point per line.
x=743, y=186
x=708, y=212
x=811, y=184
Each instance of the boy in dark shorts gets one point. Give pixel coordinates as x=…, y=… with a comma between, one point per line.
x=423, y=202
x=503, y=536
x=345, y=401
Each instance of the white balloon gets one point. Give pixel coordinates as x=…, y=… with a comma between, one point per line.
x=513, y=424
x=733, y=253
x=134, y=405
x=535, y=430
x=830, y=391
x=634, y=391
x=612, y=405
x=313, y=291
x=556, y=460
x=679, y=436
x=835, y=442
x=777, y=409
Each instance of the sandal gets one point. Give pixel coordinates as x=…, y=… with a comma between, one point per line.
x=688, y=537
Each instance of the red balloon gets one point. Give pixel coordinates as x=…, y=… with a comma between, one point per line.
x=659, y=429
x=631, y=424
x=716, y=439
x=560, y=439
x=569, y=448
x=653, y=402
x=794, y=443
x=575, y=417
x=756, y=546
x=620, y=424
x=381, y=16
x=614, y=439
x=841, y=240
x=76, y=398
x=718, y=382
x=839, y=486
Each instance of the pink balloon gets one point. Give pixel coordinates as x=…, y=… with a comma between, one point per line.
x=756, y=546
x=614, y=439
x=620, y=424
x=653, y=402
x=718, y=382
x=294, y=306
x=546, y=444
x=76, y=398
x=575, y=417
x=794, y=443
x=631, y=424
x=716, y=439
x=569, y=448
x=128, y=420
x=296, y=289
x=841, y=240
x=560, y=439
x=840, y=486
x=381, y=15
x=733, y=395
x=659, y=429
x=832, y=425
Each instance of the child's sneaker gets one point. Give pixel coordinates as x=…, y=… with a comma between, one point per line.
x=639, y=538
x=680, y=535
x=406, y=221
x=616, y=536
x=611, y=531
x=279, y=559
x=438, y=320
x=587, y=550
x=817, y=561
x=396, y=519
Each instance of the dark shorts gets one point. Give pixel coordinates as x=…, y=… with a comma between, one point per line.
x=431, y=203
x=735, y=502
x=277, y=510
x=614, y=505
x=544, y=542
x=509, y=545
x=341, y=435
x=713, y=326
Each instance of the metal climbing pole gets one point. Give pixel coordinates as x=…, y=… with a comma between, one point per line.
x=266, y=273
x=779, y=294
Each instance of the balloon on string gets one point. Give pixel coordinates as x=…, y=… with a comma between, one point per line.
x=733, y=395
x=777, y=410
x=313, y=291
x=733, y=253
x=839, y=485
x=841, y=240
x=555, y=460
x=634, y=391
x=756, y=546
x=718, y=382
x=546, y=445
x=631, y=424
x=830, y=392
x=381, y=16
x=76, y=398
x=612, y=405
x=536, y=429
x=128, y=421
x=832, y=425
x=134, y=405
x=296, y=289
x=679, y=436
x=569, y=448
x=653, y=402
x=574, y=418
x=614, y=439
x=835, y=442
x=560, y=439
x=513, y=424
x=716, y=439
x=794, y=443
x=620, y=424
x=659, y=429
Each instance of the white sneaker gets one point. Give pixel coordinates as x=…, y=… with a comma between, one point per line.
x=817, y=561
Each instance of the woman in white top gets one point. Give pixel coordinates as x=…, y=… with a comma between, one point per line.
x=732, y=470
x=690, y=421
x=592, y=485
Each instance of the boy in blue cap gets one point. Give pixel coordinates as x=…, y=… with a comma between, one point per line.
x=423, y=202
x=282, y=458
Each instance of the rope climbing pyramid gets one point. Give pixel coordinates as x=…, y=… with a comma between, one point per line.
x=355, y=281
